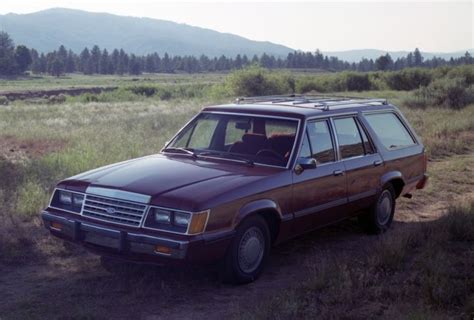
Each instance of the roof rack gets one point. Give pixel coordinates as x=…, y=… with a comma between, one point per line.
x=323, y=102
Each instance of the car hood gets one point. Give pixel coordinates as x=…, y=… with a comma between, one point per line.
x=158, y=175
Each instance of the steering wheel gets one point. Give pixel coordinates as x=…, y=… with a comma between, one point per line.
x=269, y=153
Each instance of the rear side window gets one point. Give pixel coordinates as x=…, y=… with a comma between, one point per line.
x=348, y=137
x=369, y=149
x=390, y=130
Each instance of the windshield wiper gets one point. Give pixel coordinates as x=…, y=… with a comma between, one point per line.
x=181, y=150
x=225, y=155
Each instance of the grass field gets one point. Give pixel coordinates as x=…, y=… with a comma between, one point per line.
x=44, y=82
x=418, y=271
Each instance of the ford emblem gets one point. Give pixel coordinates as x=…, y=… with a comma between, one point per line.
x=110, y=210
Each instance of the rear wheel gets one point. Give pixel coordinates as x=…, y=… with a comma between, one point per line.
x=380, y=216
x=248, y=252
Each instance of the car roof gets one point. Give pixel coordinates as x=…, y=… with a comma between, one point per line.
x=299, y=106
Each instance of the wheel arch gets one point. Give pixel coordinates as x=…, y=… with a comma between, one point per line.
x=267, y=209
x=395, y=178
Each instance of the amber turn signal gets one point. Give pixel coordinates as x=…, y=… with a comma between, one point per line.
x=198, y=222
x=163, y=249
x=56, y=226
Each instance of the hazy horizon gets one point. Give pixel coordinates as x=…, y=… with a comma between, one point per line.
x=390, y=26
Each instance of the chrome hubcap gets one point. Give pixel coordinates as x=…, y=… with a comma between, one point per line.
x=251, y=250
x=384, y=209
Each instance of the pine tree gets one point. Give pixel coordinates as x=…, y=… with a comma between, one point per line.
x=417, y=58
x=7, y=55
x=22, y=58
x=84, y=62
x=104, y=62
x=95, y=59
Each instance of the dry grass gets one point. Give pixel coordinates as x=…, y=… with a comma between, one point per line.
x=417, y=272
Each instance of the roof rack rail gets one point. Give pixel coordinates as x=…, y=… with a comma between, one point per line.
x=325, y=106
x=324, y=102
x=271, y=98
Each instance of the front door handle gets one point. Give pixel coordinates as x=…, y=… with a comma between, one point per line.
x=377, y=163
x=338, y=172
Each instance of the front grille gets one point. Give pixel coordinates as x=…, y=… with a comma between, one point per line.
x=113, y=210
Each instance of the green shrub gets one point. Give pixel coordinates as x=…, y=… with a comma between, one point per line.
x=357, y=81
x=146, y=91
x=408, y=79
x=451, y=93
x=4, y=101
x=466, y=73
x=256, y=81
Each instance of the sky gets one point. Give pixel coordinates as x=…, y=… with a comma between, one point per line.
x=432, y=26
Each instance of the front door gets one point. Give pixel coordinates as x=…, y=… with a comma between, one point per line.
x=319, y=193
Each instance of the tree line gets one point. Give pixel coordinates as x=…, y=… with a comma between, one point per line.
x=16, y=60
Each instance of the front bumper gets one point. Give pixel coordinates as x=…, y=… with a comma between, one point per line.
x=132, y=245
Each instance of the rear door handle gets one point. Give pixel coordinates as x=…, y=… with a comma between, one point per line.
x=378, y=163
x=338, y=172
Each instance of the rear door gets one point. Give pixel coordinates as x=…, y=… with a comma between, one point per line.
x=319, y=193
x=362, y=163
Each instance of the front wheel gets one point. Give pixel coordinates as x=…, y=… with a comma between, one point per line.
x=248, y=252
x=380, y=216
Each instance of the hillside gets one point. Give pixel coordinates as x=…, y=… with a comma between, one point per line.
x=359, y=54
x=79, y=29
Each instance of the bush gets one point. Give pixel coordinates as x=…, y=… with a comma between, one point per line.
x=466, y=73
x=60, y=98
x=146, y=91
x=451, y=93
x=4, y=101
x=357, y=81
x=256, y=81
x=408, y=79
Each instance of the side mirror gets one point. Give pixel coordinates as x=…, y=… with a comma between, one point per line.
x=305, y=163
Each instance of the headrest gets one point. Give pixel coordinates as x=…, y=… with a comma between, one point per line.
x=254, y=138
x=279, y=137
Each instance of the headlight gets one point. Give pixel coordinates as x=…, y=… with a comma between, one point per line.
x=77, y=199
x=65, y=197
x=181, y=219
x=162, y=216
x=176, y=221
x=68, y=200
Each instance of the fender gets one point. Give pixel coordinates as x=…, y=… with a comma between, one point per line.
x=391, y=176
x=258, y=205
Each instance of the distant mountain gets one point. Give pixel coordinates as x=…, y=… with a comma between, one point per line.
x=357, y=55
x=75, y=29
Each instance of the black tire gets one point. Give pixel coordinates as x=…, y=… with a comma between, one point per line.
x=246, y=258
x=115, y=266
x=380, y=215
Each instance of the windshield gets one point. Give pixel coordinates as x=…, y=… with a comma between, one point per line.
x=262, y=140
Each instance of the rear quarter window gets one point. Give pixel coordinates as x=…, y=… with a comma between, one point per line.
x=390, y=130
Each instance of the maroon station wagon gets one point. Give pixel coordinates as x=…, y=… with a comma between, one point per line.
x=241, y=177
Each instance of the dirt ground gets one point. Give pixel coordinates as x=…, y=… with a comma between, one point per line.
x=14, y=149
x=71, y=284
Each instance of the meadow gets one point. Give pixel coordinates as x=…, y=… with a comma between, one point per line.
x=424, y=260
